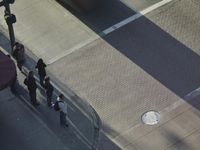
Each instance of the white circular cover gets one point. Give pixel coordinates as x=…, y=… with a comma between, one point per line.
x=151, y=117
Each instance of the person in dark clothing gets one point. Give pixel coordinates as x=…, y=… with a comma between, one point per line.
x=13, y=86
x=41, y=71
x=49, y=91
x=18, y=54
x=13, y=83
x=32, y=86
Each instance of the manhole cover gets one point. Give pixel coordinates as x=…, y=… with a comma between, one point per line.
x=151, y=117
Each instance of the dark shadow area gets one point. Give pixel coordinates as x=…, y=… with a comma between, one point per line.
x=143, y=42
x=175, y=140
x=154, y=50
x=159, y=54
x=106, y=143
x=106, y=15
x=48, y=115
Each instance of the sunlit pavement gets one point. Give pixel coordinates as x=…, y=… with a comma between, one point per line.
x=152, y=63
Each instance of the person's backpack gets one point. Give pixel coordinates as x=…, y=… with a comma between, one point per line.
x=21, y=55
x=56, y=106
x=26, y=81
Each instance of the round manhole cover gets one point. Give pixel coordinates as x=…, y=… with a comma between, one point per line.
x=151, y=117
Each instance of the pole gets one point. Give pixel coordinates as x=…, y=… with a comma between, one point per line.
x=10, y=26
x=11, y=35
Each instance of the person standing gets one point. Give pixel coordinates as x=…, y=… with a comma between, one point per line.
x=18, y=54
x=13, y=83
x=63, y=110
x=41, y=71
x=32, y=86
x=49, y=90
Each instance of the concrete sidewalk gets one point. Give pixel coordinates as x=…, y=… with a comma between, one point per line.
x=81, y=131
x=142, y=66
x=21, y=129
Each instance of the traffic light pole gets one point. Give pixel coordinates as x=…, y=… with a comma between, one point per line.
x=8, y=14
x=10, y=28
x=12, y=35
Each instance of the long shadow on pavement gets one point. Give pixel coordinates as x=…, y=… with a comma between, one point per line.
x=50, y=117
x=154, y=50
x=111, y=12
x=158, y=53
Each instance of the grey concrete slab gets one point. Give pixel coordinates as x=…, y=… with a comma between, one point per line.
x=181, y=20
x=138, y=68
x=112, y=84
x=190, y=142
x=153, y=75
x=80, y=126
x=170, y=133
x=159, y=54
x=21, y=129
x=47, y=28
x=139, y=5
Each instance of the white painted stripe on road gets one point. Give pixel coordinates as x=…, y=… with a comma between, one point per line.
x=192, y=94
x=136, y=16
x=109, y=30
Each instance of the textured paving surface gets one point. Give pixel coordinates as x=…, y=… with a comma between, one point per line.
x=181, y=20
x=137, y=68
x=119, y=87
x=149, y=64
x=46, y=28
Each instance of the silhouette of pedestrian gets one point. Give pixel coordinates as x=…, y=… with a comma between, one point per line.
x=32, y=86
x=41, y=71
x=18, y=54
x=49, y=90
x=63, y=110
x=13, y=83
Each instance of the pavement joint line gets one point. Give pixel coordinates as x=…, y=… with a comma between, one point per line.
x=36, y=116
x=71, y=50
x=77, y=131
x=55, y=93
x=80, y=135
x=168, y=109
x=71, y=123
x=154, y=128
x=134, y=17
x=182, y=139
x=65, y=95
x=112, y=139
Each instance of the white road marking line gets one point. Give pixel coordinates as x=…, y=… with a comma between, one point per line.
x=134, y=17
x=109, y=30
x=192, y=94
